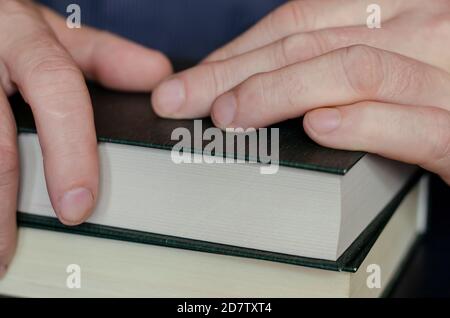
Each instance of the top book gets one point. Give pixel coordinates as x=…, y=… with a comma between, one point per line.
x=314, y=204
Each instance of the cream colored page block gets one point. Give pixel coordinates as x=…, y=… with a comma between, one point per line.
x=390, y=249
x=112, y=268
x=223, y=203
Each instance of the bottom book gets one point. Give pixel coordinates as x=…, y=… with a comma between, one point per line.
x=54, y=264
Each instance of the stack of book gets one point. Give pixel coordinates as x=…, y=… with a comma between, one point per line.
x=328, y=223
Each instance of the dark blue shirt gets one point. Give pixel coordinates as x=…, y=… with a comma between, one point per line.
x=183, y=29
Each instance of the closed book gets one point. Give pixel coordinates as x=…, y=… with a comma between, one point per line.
x=56, y=264
x=315, y=207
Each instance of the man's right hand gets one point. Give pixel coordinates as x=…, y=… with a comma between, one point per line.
x=45, y=60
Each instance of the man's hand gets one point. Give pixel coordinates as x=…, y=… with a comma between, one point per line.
x=45, y=60
x=385, y=91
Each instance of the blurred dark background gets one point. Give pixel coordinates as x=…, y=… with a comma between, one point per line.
x=427, y=272
x=182, y=29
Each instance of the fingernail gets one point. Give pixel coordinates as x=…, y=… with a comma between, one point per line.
x=170, y=96
x=75, y=205
x=3, y=269
x=224, y=110
x=324, y=121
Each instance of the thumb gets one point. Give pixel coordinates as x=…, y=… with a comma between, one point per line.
x=109, y=59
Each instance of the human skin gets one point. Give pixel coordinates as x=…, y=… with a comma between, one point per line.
x=384, y=91
x=47, y=61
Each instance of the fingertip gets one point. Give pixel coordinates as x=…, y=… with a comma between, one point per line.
x=72, y=179
x=322, y=121
x=224, y=110
x=158, y=66
x=147, y=69
x=169, y=97
x=123, y=65
x=162, y=64
x=76, y=206
x=307, y=126
x=155, y=103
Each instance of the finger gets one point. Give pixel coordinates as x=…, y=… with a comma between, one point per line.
x=9, y=183
x=342, y=77
x=109, y=59
x=202, y=84
x=52, y=84
x=305, y=16
x=412, y=134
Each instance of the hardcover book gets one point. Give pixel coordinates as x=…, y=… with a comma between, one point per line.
x=319, y=207
x=113, y=268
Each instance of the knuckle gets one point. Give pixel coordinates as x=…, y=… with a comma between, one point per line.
x=288, y=51
x=40, y=54
x=254, y=91
x=264, y=86
x=50, y=69
x=405, y=77
x=291, y=17
x=262, y=92
x=300, y=47
x=219, y=76
x=295, y=89
x=318, y=42
x=363, y=68
x=296, y=14
x=48, y=74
